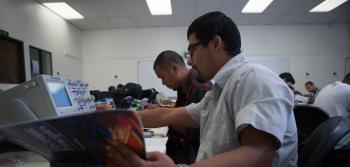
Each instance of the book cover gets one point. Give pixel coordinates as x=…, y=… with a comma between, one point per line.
x=79, y=140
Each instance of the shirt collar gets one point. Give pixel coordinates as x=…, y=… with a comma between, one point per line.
x=224, y=73
x=189, y=79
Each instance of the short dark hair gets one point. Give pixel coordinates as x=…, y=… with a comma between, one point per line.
x=347, y=78
x=309, y=83
x=216, y=23
x=133, y=89
x=112, y=88
x=120, y=86
x=168, y=57
x=288, y=77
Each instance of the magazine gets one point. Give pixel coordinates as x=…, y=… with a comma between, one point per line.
x=79, y=140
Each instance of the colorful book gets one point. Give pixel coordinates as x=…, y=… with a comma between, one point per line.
x=79, y=140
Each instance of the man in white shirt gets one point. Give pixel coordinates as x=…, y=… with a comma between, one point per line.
x=335, y=98
x=246, y=120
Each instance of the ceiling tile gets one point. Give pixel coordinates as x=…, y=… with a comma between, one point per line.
x=205, y=6
x=160, y=21
x=263, y=18
x=123, y=22
x=232, y=7
x=143, y=21
x=92, y=24
x=280, y=7
x=111, y=8
x=135, y=7
x=183, y=20
x=183, y=7
x=86, y=8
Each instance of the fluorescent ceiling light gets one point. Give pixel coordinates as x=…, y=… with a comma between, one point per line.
x=159, y=7
x=327, y=5
x=256, y=6
x=64, y=10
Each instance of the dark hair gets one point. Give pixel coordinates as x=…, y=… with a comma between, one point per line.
x=120, y=86
x=347, y=78
x=207, y=26
x=168, y=57
x=288, y=77
x=132, y=89
x=112, y=89
x=309, y=83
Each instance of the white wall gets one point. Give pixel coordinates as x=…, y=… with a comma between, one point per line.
x=35, y=25
x=317, y=49
x=116, y=52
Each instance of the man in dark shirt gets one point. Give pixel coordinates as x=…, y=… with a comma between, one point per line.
x=313, y=90
x=182, y=145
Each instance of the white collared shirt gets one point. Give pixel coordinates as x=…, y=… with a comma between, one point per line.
x=334, y=99
x=246, y=94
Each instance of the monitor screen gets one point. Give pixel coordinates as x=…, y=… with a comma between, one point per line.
x=59, y=94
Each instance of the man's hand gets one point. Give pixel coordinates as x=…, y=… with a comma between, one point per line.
x=124, y=157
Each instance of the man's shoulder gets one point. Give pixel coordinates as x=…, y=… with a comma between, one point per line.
x=254, y=71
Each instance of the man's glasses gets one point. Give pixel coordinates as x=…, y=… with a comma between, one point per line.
x=190, y=49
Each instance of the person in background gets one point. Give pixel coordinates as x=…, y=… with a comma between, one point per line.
x=335, y=98
x=183, y=143
x=120, y=86
x=246, y=120
x=112, y=89
x=289, y=80
x=313, y=90
x=133, y=90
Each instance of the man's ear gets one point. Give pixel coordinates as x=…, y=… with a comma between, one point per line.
x=217, y=41
x=174, y=67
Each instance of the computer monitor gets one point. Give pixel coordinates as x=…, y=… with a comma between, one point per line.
x=45, y=96
x=59, y=94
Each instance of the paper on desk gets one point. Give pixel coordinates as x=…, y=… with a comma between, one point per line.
x=156, y=144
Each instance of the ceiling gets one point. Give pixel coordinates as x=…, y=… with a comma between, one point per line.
x=107, y=14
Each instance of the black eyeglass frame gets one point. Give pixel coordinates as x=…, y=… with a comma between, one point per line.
x=190, y=49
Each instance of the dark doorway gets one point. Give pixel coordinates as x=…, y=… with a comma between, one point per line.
x=12, y=70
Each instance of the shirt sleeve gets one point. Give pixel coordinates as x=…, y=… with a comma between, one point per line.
x=263, y=101
x=194, y=109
